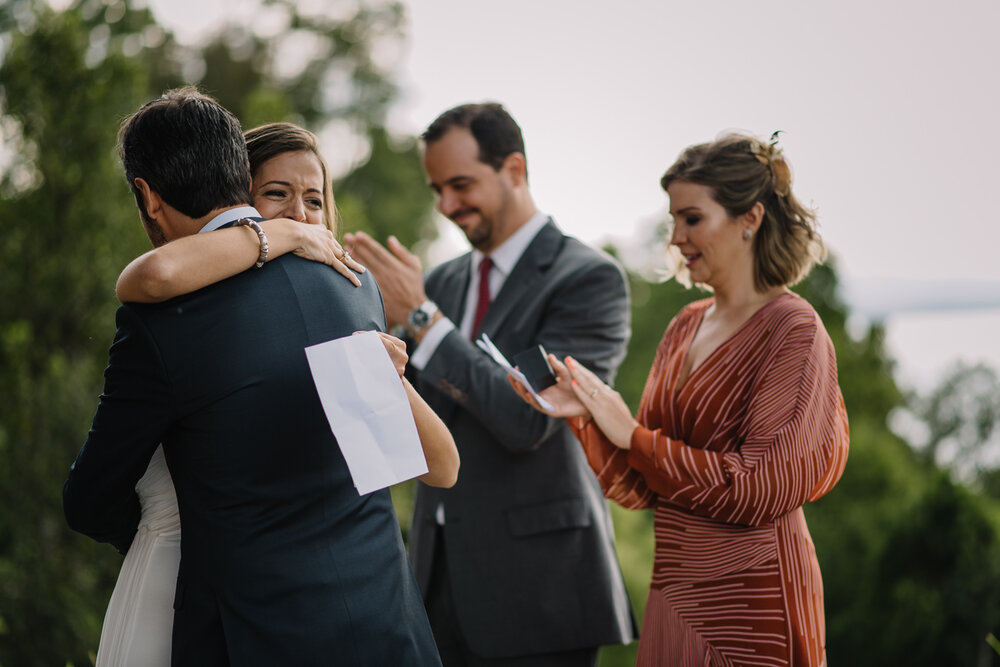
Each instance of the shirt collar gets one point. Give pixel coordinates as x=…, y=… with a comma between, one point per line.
x=507, y=254
x=230, y=215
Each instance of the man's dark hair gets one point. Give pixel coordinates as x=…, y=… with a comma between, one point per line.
x=189, y=149
x=496, y=133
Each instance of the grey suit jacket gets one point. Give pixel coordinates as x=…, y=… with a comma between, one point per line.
x=528, y=538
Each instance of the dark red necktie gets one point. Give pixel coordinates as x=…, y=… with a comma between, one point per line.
x=484, y=294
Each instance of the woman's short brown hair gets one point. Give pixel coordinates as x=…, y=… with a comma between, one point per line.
x=741, y=170
x=273, y=139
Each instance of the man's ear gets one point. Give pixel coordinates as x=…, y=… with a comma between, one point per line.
x=151, y=201
x=516, y=167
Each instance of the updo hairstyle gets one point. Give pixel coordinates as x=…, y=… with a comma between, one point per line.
x=741, y=170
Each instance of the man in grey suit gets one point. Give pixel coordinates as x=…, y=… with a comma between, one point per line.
x=282, y=562
x=516, y=562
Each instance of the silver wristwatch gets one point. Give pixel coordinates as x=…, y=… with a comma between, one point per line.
x=420, y=316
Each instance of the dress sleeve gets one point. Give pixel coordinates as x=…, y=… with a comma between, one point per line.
x=620, y=481
x=794, y=442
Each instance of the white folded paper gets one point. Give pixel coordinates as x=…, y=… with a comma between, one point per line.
x=487, y=346
x=368, y=411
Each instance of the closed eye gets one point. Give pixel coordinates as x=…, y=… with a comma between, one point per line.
x=460, y=183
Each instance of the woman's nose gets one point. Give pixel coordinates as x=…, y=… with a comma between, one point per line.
x=296, y=210
x=677, y=236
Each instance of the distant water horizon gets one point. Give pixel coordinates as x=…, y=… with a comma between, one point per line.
x=931, y=325
x=879, y=298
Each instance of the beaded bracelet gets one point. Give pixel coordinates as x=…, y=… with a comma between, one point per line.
x=254, y=225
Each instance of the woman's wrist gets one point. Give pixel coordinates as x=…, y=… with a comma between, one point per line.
x=263, y=243
x=283, y=236
x=631, y=435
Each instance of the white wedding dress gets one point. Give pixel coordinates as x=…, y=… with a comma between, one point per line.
x=140, y=616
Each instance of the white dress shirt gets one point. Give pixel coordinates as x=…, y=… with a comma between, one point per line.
x=230, y=215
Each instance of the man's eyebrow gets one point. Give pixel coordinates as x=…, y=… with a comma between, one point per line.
x=450, y=181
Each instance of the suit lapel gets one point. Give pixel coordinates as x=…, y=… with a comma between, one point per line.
x=527, y=273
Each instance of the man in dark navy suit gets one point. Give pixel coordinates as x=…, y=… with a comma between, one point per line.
x=282, y=562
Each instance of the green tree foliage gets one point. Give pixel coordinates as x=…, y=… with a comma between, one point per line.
x=379, y=195
x=961, y=417
x=69, y=225
x=64, y=238
x=939, y=580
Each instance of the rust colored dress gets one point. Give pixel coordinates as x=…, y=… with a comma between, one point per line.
x=726, y=462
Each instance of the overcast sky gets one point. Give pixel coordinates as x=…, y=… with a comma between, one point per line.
x=890, y=108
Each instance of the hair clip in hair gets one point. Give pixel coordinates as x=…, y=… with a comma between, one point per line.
x=761, y=151
x=781, y=174
x=769, y=154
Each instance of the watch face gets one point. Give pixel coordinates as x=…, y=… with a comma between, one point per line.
x=419, y=318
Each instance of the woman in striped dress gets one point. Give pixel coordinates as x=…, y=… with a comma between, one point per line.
x=741, y=422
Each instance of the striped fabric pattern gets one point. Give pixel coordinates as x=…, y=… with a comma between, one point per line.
x=726, y=461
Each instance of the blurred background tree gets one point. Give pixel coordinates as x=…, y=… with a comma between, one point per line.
x=907, y=542
x=956, y=423
x=67, y=79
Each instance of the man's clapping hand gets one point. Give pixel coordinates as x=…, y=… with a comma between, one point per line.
x=397, y=272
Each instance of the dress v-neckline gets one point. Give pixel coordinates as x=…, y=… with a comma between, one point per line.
x=683, y=382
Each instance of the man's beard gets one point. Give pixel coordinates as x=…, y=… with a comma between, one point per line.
x=153, y=230
x=481, y=234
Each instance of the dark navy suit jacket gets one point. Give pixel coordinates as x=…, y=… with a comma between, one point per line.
x=282, y=562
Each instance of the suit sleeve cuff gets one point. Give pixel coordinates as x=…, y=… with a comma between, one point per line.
x=429, y=345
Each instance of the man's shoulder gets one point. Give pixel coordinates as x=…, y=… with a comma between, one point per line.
x=318, y=280
x=567, y=249
x=576, y=261
x=316, y=273
x=576, y=250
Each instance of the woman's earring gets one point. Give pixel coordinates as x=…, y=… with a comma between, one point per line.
x=747, y=234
